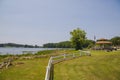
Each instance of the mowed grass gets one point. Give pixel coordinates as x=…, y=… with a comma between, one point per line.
x=33, y=69
x=100, y=66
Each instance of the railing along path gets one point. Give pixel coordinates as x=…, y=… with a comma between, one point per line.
x=55, y=59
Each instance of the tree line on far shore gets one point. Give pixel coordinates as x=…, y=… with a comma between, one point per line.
x=67, y=44
x=63, y=44
x=18, y=45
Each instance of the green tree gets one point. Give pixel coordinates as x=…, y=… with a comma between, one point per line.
x=89, y=43
x=63, y=44
x=78, y=38
x=116, y=41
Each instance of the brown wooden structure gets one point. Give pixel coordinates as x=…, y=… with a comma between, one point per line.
x=103, y=44
x=103, y=41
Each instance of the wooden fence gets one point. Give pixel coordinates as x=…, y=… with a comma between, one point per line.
x=55, y=59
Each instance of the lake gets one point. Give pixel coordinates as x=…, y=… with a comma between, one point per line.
x=22, y=50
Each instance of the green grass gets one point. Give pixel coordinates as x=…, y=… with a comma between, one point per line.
x=29, y=70
x=4, y=56
x=33, y=69
x=100, y=66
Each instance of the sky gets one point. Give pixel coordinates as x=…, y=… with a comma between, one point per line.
x=37, y=22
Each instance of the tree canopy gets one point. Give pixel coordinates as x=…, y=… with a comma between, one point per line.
x=63, y=44
x=18, y=45
x=78, y=38
x=116, y=41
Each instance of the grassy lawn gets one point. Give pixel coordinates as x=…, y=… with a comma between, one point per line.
x=26, y=70
x=33, y=69
x=100, y=66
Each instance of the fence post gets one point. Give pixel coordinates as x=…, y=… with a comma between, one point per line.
x=52, y=72
x=49, y=70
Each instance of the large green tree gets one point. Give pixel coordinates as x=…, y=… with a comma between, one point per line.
x=116, y=41
x=78, y=38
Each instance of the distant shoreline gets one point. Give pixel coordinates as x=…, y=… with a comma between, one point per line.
x=19, y=45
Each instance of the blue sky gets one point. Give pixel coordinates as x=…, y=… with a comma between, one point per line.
x=43, y=21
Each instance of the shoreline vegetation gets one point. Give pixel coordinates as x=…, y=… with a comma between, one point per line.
x=39, y=54
x=19, y=45
x=62, y=44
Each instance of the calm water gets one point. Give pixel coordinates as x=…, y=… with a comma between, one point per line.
x=21, y=50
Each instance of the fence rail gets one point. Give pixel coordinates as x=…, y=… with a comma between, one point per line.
x=55, y=59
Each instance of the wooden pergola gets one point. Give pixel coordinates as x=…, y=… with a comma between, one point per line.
x=103, y=43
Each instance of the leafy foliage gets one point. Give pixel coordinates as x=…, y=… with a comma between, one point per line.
x=18, y=45
x=63, y=44
x=78, y=38
x=116, y=41
x=88, y=43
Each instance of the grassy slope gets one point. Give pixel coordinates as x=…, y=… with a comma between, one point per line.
x=29, y=70
x=100, y=66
